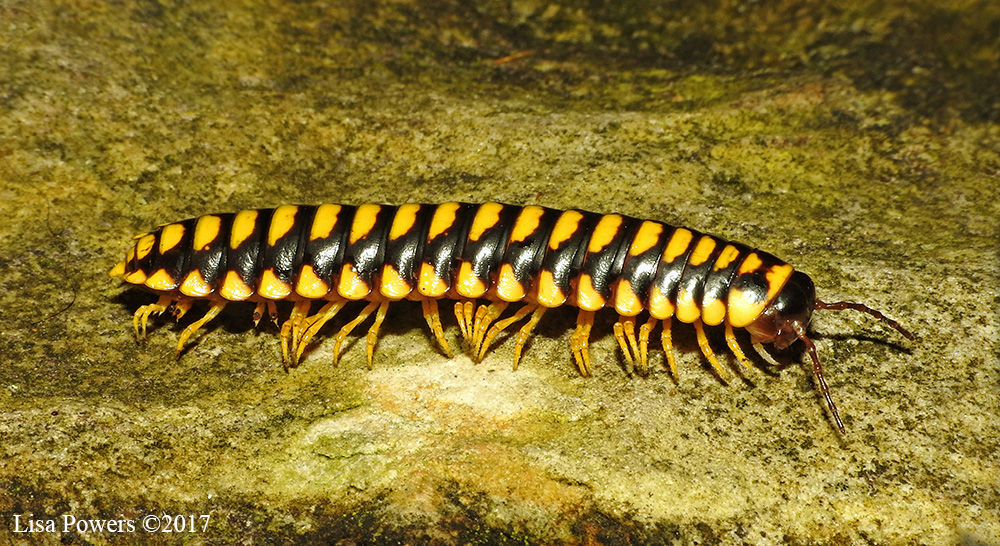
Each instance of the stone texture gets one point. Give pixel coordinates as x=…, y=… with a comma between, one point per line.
x=858, y=141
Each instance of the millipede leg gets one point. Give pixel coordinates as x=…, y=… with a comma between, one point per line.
x=630, y=334
x=142, y=315
x=668, y=348
x=349, y=327
x=643, y=343
x=625, y=333
x=285, y=335
x=465, y=311
x=580, y=341
x=619, y=329
x=194, y=326
x=485, y=316
x=643, y=369
x=290, y=333
x=765, y=355
x=460, y=317
x=312, y=325
x=430, y=308
x=706, y=349
x=734, y=346
x=525, y=333
x=181, y=308
x=286, y=341
x=258, y=312
x=500, y=326
x=265, y=306
x=272, y=312
x=301, y=312
x=373, y=331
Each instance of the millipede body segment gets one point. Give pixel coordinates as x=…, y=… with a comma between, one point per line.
x=475, y=253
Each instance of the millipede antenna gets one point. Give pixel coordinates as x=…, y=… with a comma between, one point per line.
x=818, y=371
x=818, y=368
x=841, y=305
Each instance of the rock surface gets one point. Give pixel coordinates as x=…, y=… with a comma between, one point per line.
x=858, y=141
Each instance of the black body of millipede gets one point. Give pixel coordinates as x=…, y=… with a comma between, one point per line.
x=473, y=253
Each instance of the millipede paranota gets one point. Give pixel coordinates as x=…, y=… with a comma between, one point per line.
x=472, y=253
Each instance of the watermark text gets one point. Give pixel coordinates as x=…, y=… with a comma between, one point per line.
x=149, y=523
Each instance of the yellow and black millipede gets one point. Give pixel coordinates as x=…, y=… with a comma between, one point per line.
x=470, y=253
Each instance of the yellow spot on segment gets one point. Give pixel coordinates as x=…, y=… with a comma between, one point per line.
x=271, y=287
x=468, y=284
x=526, y=223
x=243, y=226
x=605, y=231
x=726, y=257
x=324, y=221
x=161, y=280
x=118, y=270
x=702, y=251
x=428, y=283
x=392, y=284
x=776, y=277
x=687, y=309
x=549, y=294
x=679, y=242
x=567, y=224
x=660, y=306
x=487, y=216
x=647, y=236
x=587, y=297
x=144, y=245
x=713, y=312
x=310, y=285
x=627, y=303
x=170, y=237
x=508, y=288
x=351, y=286
x=364, y=221
x=135, y=277
x=742, y=308
x=234, y=289
x=282, y=222
x=444, y=218
x=402, y=223
x=194, y=285
x=206, y=231
x=750, y=264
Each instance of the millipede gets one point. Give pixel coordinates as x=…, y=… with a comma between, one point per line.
x=483, y=257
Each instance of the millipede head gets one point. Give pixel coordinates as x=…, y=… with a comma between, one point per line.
x=787, y=317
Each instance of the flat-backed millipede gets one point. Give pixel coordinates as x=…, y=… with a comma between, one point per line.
x=472, y=253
